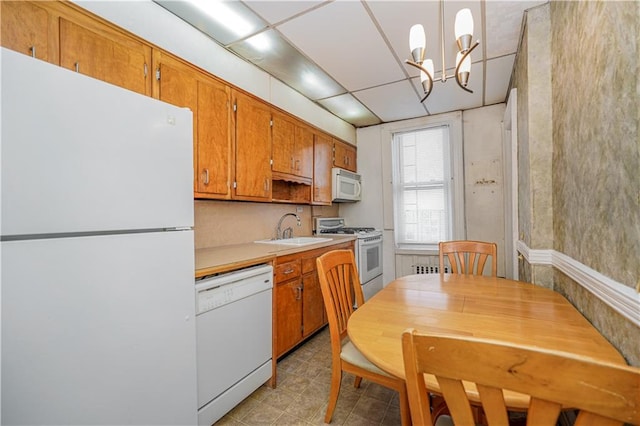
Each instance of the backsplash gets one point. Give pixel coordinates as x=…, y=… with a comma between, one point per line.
x=221, y=223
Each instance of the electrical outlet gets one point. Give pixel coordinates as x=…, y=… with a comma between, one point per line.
x=299, y=209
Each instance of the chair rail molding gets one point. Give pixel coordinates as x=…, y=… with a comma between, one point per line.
x=623, y=299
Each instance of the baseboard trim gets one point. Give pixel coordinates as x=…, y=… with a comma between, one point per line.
x=623, y=299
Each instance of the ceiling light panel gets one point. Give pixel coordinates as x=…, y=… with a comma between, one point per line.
x=224, y=21
x=350, y=110
x=277, y=57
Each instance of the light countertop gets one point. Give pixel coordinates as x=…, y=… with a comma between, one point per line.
x=212, y=260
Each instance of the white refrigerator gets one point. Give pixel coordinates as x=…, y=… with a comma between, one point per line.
x=97, y=290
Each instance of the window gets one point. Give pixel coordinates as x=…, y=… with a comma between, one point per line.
x=427, y=174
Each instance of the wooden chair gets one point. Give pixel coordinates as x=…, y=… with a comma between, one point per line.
x=340, y=284
x=468, y=257
x=606, y=394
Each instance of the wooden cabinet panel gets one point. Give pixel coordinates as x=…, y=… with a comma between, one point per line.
x=106, y=56
x=253, y=148
x=322, y=163
x=304, y=152
x=213, y=164
x=344, y=156
x=292, y=146
x=313, y=311
x=178, y=85
x=283, y=143
x=26, y=29
x=289, y=315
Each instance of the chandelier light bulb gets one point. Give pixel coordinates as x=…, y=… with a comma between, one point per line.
x=466, y=64
x=428, y=65
x=417, y=39
x=464, y=23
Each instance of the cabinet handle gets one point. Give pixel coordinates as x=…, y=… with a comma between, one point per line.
x=297, y=167
x=288, y=271
x=77, y=65
x=298, y=293
x=266, y=185
x=206, y=176
x=33, y=51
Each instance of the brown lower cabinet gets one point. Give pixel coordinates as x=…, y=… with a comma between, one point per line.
x=298, y=305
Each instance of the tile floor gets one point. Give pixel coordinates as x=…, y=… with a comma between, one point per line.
x=304, y=379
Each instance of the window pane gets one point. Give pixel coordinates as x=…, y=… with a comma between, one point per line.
x=420, y=186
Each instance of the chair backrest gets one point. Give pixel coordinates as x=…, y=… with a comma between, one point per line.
x=605, y=393
x=468, y=257
x=341, y=290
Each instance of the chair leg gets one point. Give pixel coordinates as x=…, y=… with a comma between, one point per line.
x=405, y=413
x=356, y=383
x=336, y=379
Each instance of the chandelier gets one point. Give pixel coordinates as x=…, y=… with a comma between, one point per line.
x=464, y=35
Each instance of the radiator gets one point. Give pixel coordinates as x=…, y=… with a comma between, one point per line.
x=409, y=264
x=427, y=269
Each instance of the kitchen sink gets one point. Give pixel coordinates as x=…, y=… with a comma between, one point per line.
x=298, y=241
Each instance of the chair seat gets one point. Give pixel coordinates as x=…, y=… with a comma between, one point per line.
x=352, y=355
x=444, y=420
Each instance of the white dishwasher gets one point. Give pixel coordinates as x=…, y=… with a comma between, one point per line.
x=234, y=344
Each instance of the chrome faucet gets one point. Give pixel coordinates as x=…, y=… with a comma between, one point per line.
x=288, y=233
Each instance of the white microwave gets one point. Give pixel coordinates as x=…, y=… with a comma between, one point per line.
x=345, y=186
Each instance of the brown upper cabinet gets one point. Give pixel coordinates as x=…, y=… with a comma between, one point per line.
x=252, y=148
x=180, y=84
x=322, y=163
x=344, y=156
x=30, y=29
x=100, y=52
x=292, y=146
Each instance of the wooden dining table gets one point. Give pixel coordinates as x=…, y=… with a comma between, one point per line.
x=468, y=305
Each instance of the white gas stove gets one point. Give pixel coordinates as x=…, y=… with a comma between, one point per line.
x=368, y=250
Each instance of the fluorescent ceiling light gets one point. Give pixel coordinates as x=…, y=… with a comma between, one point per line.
x=225, y=16
x=350, y=109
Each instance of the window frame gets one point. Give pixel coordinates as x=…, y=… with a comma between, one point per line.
x=456, y=179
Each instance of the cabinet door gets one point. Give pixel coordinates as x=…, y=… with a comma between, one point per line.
x=303, y=152
x=213, y=163
x=104, y=55
x=344, y=155
x=312, y=304
x=253, y=149
x=178, y=86
x=25, y=29
x=322, y=162
x=283, y=144
x=288, y=315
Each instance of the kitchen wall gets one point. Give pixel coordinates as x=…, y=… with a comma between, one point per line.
x=579, y=153
x=221, y=223
x=483, y=189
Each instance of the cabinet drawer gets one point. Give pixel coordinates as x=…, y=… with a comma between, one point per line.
x=286, y=271
x=308, y=265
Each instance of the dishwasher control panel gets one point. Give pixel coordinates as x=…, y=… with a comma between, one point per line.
x=220, y=290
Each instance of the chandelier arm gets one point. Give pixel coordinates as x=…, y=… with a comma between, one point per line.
x=464, y=56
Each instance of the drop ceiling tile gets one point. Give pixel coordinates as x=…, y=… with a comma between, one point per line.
x=504, y=21
x=341, y=38
x=499, y=70
x=277, y=11
x=392, y=102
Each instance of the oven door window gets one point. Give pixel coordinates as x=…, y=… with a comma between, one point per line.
x=370, y=261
